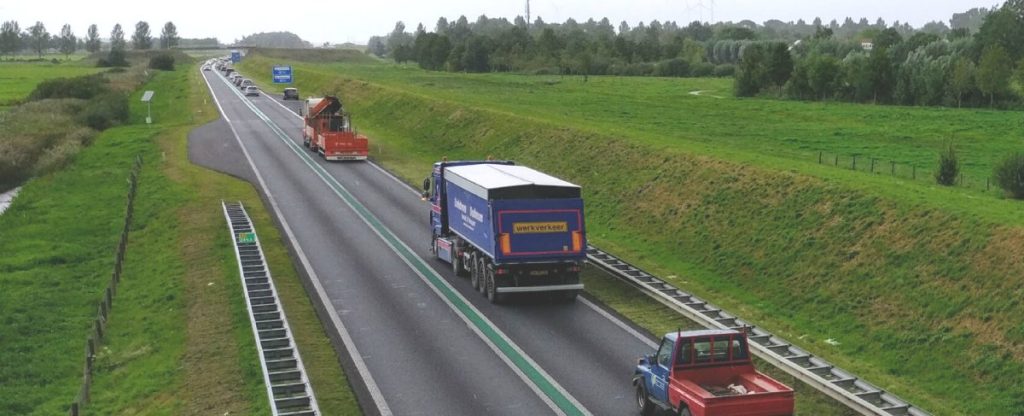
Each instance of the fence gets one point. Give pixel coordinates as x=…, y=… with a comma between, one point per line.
x=868, y=164
x=100, y=324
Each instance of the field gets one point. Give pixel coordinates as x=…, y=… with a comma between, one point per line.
x=178, y=341
x=913, y=286
x=18, y=79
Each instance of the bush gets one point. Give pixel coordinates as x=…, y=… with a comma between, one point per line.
x=676, y=67
x=106, y=111
x=725, y=70
x=1010, y=175
x=84, y=87
x=703, y=69
x=163, y=62
x=116, y=58
x=949, y=167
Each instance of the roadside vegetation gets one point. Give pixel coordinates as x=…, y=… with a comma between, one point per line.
x=178, y=339
x=910, y=285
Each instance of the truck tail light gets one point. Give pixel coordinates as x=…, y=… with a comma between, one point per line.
x=500, y=272
x=573, y=267
x=577, y=241
x=506, y=244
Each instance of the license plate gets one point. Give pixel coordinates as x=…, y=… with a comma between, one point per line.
x=539, y=273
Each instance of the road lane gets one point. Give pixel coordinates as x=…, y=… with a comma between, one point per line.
x=422, y=356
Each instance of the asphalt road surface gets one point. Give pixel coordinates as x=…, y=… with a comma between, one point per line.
x=423, y=341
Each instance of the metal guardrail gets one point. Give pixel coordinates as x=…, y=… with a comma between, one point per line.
x=841, y=385
x=288, y=388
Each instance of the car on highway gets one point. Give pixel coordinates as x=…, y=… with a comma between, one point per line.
x=707, y=373
x=291, y=94
x=245, y=83
x=252, y=91
x=238, y=81
x=206, y=68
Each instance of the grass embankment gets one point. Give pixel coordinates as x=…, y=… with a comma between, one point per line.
x=914, y=287
x=178, y=341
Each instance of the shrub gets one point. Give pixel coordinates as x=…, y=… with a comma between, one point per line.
x=949, y=167
x=115, y=58
x=57, y=157
x=84, y=87
x=105, y=111
x=725, y=70
x=163, y=62
x=1010, y=175
x=702, y=69
x=676, y=67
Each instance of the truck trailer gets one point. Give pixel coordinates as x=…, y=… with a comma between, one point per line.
x=707, y=373
x=327, y=130
x=512, y=229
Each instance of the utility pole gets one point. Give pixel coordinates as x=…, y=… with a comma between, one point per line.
x=527, y=14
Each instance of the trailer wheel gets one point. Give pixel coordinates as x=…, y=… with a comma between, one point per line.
x=456, y=263
x=492, y=289
x=474, y=271
x=643, y=401
x=481, y=264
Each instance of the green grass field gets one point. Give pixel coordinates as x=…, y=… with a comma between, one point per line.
x=18, y=79
x=178, y=341
x=915, y=287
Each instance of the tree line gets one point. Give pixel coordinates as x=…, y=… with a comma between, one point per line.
x=924, y=68
x=37, y=39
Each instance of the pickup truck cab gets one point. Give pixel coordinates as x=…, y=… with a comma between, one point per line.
x=707, y=373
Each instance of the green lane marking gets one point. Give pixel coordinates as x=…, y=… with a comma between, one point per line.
x=543, y=383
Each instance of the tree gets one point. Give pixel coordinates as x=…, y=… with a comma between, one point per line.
x=1009, y=174
x=822, y=75
x=117, y=42
x=961, y=80
x=949, y=167
x=1005, y=28
x=39, y=38
x=169, y=36
x=92, y=39
x=377, y=46
x=68, y=41
x=141, y=39
x=10, y=38
x=881, y=73
x=780, y=64
x=993, y=72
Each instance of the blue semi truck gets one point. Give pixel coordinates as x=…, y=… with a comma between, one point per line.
x=512, y=229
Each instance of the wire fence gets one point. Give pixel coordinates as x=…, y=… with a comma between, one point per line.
x=99, y=326
x=903, y=170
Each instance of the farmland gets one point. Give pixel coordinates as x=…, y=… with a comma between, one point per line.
x=18, y=79
x=912, y=286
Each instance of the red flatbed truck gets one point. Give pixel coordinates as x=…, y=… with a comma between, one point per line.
x=327, y=130
x=707, y=373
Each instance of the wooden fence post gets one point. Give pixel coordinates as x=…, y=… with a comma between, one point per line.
x=873, y=165
x=893, y=172
x=819, y=157
x=854, y=162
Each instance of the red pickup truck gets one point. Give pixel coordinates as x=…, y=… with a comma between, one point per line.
x=707, y=373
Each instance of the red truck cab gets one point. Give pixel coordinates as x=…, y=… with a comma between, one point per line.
x=707, y=373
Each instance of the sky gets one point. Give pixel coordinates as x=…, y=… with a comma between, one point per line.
x=339, y=21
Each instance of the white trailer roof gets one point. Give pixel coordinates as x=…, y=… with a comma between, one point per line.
x=481, y=178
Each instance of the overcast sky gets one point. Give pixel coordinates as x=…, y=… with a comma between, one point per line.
x=339, y=21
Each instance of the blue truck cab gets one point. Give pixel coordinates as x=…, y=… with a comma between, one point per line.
x=512, y=229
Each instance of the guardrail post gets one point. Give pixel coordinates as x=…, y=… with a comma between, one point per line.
x=74, y=409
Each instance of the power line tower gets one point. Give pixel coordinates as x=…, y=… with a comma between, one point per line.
x=700, y=6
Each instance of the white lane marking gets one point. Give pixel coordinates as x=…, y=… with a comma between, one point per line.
x=322, y=173
x=346, y=338
x=618, y=322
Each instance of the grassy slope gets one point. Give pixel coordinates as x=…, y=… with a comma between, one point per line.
x=919, y=286
x=167, y=351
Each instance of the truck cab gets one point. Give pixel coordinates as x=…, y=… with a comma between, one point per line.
x=707, y=373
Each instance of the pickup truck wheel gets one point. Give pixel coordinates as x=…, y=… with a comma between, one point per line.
x=643, y=401
x=492, y=288
x=683, y=411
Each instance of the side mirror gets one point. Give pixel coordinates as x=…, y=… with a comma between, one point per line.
x=426, y=185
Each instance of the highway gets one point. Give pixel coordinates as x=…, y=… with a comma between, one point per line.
x=421, y=339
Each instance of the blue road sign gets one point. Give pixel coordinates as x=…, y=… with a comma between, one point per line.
x=236, y=56
x=282, y=74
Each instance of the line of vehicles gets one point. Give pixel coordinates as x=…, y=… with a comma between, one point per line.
x=512, y=229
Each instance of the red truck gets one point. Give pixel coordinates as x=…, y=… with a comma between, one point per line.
x=327, y=130
x=707, y=373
